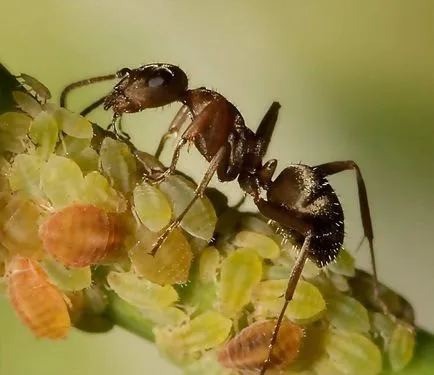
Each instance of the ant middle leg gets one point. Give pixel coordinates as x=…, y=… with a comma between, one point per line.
x=214, y=164
x=339, y=166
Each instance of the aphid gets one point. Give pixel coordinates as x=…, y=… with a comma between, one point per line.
x=300, y=200
x=39, y=89
x=81, y=235
x=38, y=303
x=249, y=349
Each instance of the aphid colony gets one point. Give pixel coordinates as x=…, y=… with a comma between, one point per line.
x=77, y=224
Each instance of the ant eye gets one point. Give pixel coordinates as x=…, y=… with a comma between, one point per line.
x=123, y=72
x=160, y=78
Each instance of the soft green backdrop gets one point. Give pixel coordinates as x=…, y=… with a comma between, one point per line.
x=355, y=79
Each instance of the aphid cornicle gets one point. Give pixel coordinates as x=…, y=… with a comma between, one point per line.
x=37, y=302
x=249, y=349
x=300, y=199
x=81, y=235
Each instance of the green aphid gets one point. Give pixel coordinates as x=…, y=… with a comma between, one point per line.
x=347, y=313
x=118, y=164
x=265, y=246
x=240, y=272
x=15, y=123
x=44, y=134
x=209, y=262
x=73, y=124
x=141, y=293
x=97, y=191
x=27, y=103
x=353, y=353
x=401, y=346
x=201, y=219
x=204, y=332
x=61, y=180
x=67, y=279
x=344, y=264
x=152, y=207
x=307, y=304
x=25, y=176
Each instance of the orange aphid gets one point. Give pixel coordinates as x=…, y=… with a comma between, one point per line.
x=249, y=349
x=37, y=302
x=80, y=235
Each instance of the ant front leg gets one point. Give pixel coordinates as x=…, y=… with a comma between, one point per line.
x=197, y=126
x=174, y=128
x=200, y=190
x=331, y=168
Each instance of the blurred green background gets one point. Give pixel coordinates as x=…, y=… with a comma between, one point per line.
x=355, y=80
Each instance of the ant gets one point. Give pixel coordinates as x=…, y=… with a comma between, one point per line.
x=300, y=199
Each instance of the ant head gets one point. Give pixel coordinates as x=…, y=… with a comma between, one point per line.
x=150, y=86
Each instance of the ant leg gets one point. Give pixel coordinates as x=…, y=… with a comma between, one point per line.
x=340, y=166
x=82, y=83
x=198, y=125
x=214, y=163
x=266, y=128
x=176, y=124
x=289, y=218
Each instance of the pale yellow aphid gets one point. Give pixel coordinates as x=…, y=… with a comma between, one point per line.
x=118, y=164
x=19, y=226
x=201, y=219
x=401, y=346
x=340, y=282
x=167, y=316
x=204, y=332
x=140, y=292
x=289, y=254
x=307, y=305
x=344, y=264
x=79, y=150
x=152, y=207
x=27, y=103
x=209, y=263
x=326, y=366
x=170, y=265
x=25, y=176
x=240, y=272
x=96, y=190
x=15, y=123
x=347, y=313
x=67, y=279
x=73, y=124
x=265, y=246
x=61, y=180
x=353, y=353
x=44, y=134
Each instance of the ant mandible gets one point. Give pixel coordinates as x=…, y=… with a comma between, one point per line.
x=300, y=199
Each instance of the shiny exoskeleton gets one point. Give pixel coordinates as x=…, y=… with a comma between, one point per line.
x=300, y=199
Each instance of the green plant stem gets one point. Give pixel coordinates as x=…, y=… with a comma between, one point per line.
x=124, y=315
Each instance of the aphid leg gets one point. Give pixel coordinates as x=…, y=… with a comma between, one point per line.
x=198, y=125
x=289, y=294
x=82, y=83
x=175, y=126
x=266, y=128
x=198, y=193
x=340, y=166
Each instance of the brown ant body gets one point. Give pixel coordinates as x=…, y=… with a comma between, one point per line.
x=300, y=199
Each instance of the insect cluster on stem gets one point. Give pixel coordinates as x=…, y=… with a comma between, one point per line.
x=95, y=219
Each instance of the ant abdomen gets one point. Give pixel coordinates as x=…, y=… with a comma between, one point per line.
x=308, y=196
x=249, y=349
